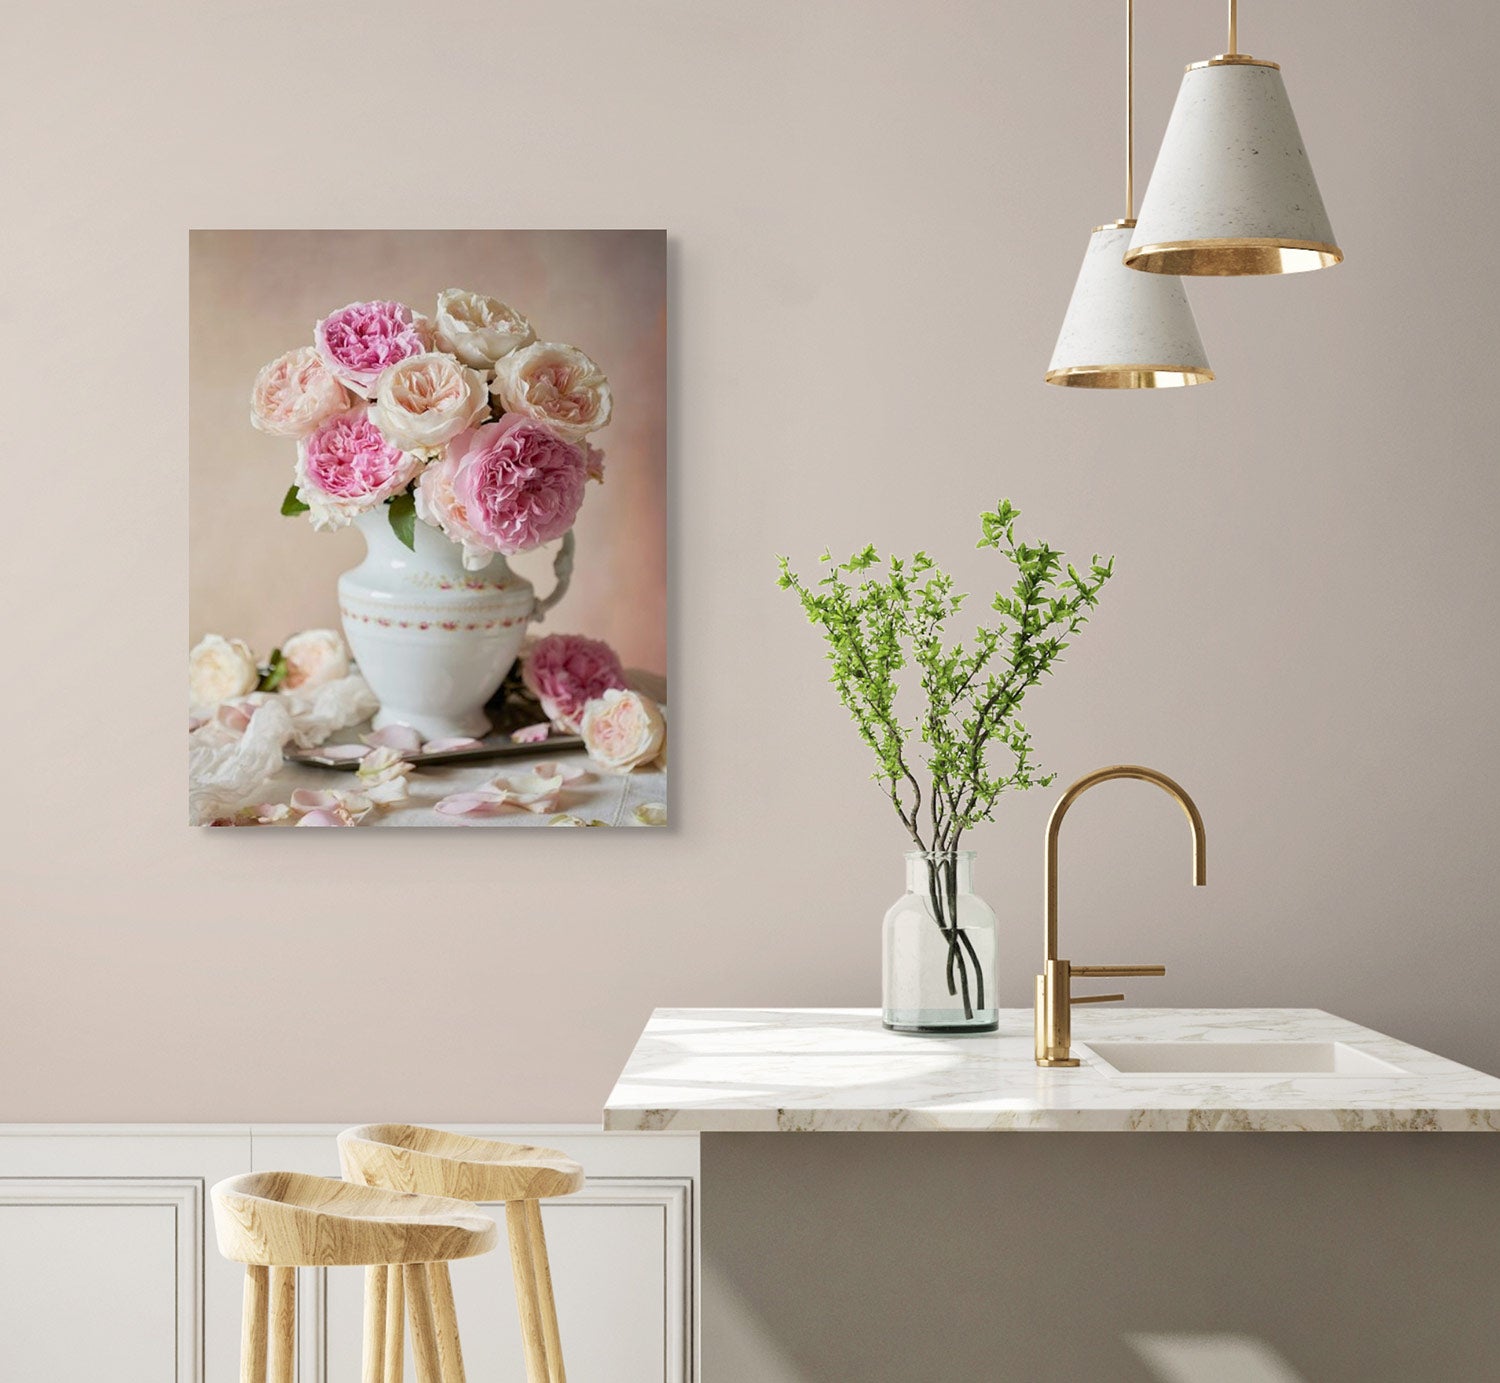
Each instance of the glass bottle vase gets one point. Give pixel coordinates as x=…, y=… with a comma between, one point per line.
x=939, y=954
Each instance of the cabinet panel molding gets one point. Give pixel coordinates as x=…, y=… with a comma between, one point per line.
x=71, y=1332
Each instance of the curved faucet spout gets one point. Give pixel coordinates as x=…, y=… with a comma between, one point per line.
x=1104, y=775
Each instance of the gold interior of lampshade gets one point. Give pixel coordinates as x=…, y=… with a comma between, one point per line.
x=1130, y=376
x=1191, y=258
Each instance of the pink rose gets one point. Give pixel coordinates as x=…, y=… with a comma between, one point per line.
x=295, y=394
x=361, y=341
x=505, y=487
x=437, y=506
x=567, y=671
x=555, y=384
x=622, y=730
x=347, y=467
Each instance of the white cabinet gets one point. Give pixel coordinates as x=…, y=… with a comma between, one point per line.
x=108, y=1267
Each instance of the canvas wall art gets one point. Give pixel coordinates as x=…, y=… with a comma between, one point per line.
x=428, y=529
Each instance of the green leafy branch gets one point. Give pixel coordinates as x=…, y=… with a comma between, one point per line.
x=879, y=617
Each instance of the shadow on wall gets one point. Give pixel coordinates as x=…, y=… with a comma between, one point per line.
x=1123, y=1258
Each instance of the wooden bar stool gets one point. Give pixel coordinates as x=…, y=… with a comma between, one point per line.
x=277, y=1222
x=403, y=1157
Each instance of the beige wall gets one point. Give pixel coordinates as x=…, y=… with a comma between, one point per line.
x=876, y=213
x=255, y=294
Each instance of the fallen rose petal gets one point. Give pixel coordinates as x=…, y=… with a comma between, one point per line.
x=388, y=794
x=194, y=723
x=570, y=773
x=447, y=745
x=531, y=791
x=381, y=765
x=235, y=715
x=306, y=801
x=567, y=819
x=313, y=800
x=342, y=753
x=531, y=734
x=482, y=802
x=324, y=818
x=651, y=814
x=399, y=737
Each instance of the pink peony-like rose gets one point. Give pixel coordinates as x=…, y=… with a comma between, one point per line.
x=622, y=730
x=296, y=394
x=505, y=487
x=567, y=671
x=348, y=467
x=437, y=506
x=555, y=384
x=361, y=341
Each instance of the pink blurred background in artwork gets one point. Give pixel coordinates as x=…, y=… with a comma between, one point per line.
x=254, y=294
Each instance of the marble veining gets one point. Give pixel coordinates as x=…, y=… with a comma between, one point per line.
x=828, y=1070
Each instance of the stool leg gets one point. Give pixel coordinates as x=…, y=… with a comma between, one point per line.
x=283, y=1325
x=373, y=1354
x=424, y=1340
x=548, y=1308
x=449, y=1350
x=253, y=1324
x=523, y=1266
x=395, y=1324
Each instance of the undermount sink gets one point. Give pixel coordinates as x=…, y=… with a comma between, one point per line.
x=1238, y=1059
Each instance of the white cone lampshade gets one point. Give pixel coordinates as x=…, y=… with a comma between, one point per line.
x=1232, y=191
x=1125, y=330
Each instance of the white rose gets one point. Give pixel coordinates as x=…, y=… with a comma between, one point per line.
x=557, y=385
x=313, y=657
x=220, y=669
x=425, y=400
x=622, y=730
x=477, y=329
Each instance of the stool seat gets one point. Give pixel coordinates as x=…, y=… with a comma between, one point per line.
x=407, y=1157
x=434, y=1163
x=290, y=1219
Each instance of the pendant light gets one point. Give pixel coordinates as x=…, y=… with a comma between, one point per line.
x=1233, y=191
x=1125, y=330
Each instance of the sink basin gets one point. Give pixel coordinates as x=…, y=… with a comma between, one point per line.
x=1237, y=1059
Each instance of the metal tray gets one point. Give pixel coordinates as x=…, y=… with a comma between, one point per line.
x=491, y=747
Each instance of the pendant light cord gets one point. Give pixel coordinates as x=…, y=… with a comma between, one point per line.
x=1234, y=26
x=1130, y=109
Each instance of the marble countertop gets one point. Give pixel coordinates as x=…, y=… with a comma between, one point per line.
x=814, y=1070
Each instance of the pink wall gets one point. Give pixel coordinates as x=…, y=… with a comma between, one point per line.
x=875, y=224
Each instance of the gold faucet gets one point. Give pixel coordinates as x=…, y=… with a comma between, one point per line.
x=1054, y=996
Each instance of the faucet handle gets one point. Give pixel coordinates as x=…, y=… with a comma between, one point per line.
x=1114, y=971
x=1055, y=1000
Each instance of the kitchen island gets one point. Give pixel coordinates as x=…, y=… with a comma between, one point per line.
x=1076, y=1256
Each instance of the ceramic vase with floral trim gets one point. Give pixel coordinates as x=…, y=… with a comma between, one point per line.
x=433, y=640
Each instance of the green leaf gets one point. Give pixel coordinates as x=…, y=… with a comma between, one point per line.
x=275, y=673
x=291, y=505
x=403, y=515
